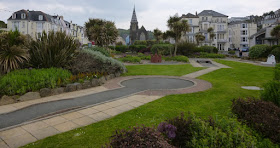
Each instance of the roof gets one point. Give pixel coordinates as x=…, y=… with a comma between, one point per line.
x=211, y=13
x=134, y=18
x=189, y=15
x=258, y=33
x=240, y=22
x=32, y=15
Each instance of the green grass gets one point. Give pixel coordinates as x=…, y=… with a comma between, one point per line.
x=169, y=70
x=215, y=102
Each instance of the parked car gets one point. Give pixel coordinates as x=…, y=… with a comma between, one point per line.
x=245, y=49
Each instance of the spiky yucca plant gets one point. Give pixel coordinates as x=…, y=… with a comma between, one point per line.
x=13, y=51
x=54, y=49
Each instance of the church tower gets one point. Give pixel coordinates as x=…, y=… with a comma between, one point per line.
x=133, y=27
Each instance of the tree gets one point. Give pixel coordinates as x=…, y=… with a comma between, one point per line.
x=177, y=28
x=199, y=38
x=212, y=34
x=13, y=51
x=3, y=24
x=276, y=32
x=157, y=34
x=101, y=31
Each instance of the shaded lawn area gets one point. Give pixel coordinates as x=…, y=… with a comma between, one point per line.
x=169, y=70
x=214, y=102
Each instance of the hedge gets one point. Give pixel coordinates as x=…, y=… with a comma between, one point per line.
x=163, y=49
x=258, y=51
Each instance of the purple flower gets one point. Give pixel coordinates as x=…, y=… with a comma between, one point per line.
x=167, y=129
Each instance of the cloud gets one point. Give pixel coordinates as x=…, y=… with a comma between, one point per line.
x=151, y=14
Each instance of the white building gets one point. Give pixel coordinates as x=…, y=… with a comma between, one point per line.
x=193, y=21
x=240, y=32
x=34, y=23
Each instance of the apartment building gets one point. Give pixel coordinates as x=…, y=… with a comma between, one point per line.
x=219, y=23
x=263, y=36
x=239, y=33
x=34, y=23
x=193, y=21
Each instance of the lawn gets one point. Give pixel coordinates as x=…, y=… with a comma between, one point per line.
x=214, y=102
x=169, y=70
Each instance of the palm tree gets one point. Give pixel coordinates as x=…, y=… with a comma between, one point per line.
x=13, y=51
x=178, y=27
x=199, y=38
x=212, y=34
x=276, y=32
x=157, y=34
x=101, y=31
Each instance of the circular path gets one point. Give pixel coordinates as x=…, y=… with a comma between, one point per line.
x=119, y=87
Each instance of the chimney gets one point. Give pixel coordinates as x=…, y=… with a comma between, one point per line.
x=61, y=17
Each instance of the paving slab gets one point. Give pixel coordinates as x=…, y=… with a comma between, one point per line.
x=136, y=103
x=113, y=111
x=45, y=132
x=66, y=126
x=84, y=121
x=88, y=111
x=20, y=140
x=72, y=116
x=35, y=126
x=55, y=120
x=3, y=145
x=99, y=116
x=7, y=134
x=125, y=107
x=102, y=107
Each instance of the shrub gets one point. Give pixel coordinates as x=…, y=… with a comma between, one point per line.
x=137, y=48
x=177, y=58
x=89, y=61
x=141, y=137
x=276, y=53
x=232, y=52
x=150, y=43
x=258, y=51
x=209, y=49
x=130, y=59
x=121, y=48
x=210, y=55
x=13, y=51
x=277, y=72
x=21, y=81
x=52, y=50
x=144, y=57
x=196, y=132
x=263, y=116
x=186, y=49
x=163, y=49
x=138, y=42
x=271, y=92
x=100, y=49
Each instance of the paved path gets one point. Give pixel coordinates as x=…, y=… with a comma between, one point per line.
x=90, y=105
x=258, y=63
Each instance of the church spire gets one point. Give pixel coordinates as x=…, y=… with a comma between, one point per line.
x=134, y=18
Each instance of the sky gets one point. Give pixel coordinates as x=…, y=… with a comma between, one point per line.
x=150, y=13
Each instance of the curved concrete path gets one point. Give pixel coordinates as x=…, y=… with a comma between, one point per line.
x=125, y=93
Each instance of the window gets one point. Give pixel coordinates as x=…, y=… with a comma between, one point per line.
x=14, y=16
x=23, y=16
x=40, y=17
x=244, y=32
x=244, y=39
x=190, y=21
x=244, y=25
x=23, y=24
x=15, y=26
x=206, y=18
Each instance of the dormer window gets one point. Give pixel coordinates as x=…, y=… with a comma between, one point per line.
x=23, y=16
x=14, y=16
x=40, y=17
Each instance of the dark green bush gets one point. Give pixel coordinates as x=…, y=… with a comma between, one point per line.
x=224, y=132
x=276, y=53
x=100, y=49
x=150, y=43
x=186, y=49
x=121, y=48
x=21, y=81
x=209, y=49
x=130, y=59
x=177, y=58
x=90, y=61
x=210, y=55
x=137, y=48
x=163, y=49
x=232, y=52
x=258, y=51
x=138, y=42
x=271, y=92
x=263, y=116
x=142, y=137
x=52, y=50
